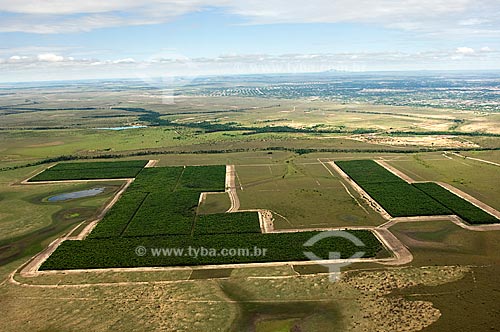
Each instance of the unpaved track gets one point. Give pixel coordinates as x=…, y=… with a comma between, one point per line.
x=476, y=159
x=393, y=245
x=371, y=202
x=266, y=221
x=451, y=218
x=73, y=181
x=394, y=221
x=231, y=188
x=395, y=171
x=32, y=267
x=470, y=199
x=483, y=206
x=482, y=228
x=86, y=231
x=151, y=163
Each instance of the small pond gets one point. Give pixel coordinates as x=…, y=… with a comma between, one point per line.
x=122, y=128
x=76, y=194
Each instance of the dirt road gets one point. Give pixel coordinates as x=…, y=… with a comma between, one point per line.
x=395, y=171
x=371, y=202
x=476, y=159
x=151, y=163
x=231, y=188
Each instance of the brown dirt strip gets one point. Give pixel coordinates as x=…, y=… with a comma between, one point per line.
x=231, y=188
x=483, y=206
x=395, y=171
x=371, y=202
x=86, y=231
x=151, y=163
x=455, y=219
x=345, y=187
x=476, y=159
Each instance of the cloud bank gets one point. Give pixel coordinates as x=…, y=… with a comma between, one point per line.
x=473, y=17
x=51, y=66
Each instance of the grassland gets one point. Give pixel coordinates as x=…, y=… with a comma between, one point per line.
x=282, y=181
x=214, y=203
x=286, y=188
x=473, y=177
x=54, y=311
x=27, y=218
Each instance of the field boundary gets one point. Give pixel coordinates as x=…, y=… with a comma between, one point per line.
x=88, y=229
x=400, y=254
x=453, y=218
x=231, y=188
x=371, y=202
x=474, y=201
x=151, y=163
x=396, y=172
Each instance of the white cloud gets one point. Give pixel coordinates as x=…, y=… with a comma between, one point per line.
x=465, y=50
x=31, y=68
x=430, y=16
x=53, y=7
x=486, y=49
x=473, y=21
x=50, y=57
x=127, y=60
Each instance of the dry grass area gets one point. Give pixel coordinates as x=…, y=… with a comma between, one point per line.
x=392, y=313
x=364, y=300
x=422, y=141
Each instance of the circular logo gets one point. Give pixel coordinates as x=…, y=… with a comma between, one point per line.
x=140, y=251
x=336, y=264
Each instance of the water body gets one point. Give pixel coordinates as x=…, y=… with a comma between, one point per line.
x=122, y=128
x=76, y=194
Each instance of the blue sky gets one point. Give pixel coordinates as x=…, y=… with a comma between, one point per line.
x=64, y=39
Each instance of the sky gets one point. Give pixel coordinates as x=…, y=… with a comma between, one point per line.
x=67, y=39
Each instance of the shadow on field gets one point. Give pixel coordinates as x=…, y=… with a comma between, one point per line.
x=261, y=315
x=468, y=304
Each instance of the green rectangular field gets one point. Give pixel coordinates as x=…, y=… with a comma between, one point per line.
x=157, y=179
x=151, y=208
x=367, y=171
x=159, y=211
x=164, y=214
x=203, y=178
x=175, y=251
x=91, y=171
x=465, y=210
x=225, y=223
x=100, y=165
x=403, y=200
x=397, y=197
x=116, y=220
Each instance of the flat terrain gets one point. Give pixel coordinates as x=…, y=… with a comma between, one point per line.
x=217, y=294
x=282, y=140
x=288, y=188
x=467, y=175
